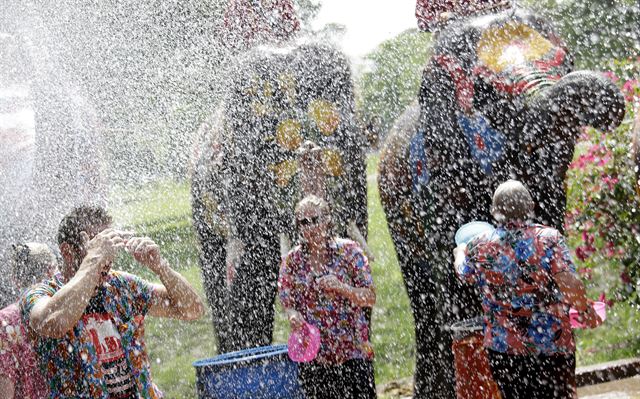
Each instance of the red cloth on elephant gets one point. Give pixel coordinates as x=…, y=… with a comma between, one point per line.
x=254, y=22
x=513, y=268
x=428, y=12
x=344, y=327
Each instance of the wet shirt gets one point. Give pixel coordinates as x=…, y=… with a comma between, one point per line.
x=18, y=361
x=513, y=268
x=344, y=327
x=104, y=356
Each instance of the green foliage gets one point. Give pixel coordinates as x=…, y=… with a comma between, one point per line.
x=595, y=31
x=394, y=79
x=603, y=207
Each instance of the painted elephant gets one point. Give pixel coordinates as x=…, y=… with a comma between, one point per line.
x=499, y=99
x=48, y=143
x=285, y=128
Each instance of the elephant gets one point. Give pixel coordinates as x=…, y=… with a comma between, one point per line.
x=499, y=99
x=285, y=128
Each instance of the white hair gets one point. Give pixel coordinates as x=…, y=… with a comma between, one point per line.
x=512, y=201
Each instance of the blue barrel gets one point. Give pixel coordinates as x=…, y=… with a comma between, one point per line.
x=260, y=373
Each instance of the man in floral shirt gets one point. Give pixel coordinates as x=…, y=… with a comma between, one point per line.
x=527, y=282
x=20, y=376
x=89, y=319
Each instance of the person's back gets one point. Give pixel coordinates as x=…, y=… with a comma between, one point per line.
x=20, y=376
x=527, y=282
x=514, y=268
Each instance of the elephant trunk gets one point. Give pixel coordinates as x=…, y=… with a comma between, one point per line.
x=582, y=98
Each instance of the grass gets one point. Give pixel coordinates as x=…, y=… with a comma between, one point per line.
x=162, y=211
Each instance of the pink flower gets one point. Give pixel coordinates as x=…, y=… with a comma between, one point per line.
x=610, y=250
x=585, y=273
x=610, y=181
x=630, y=89
x=588, y=238
x=611, y=76
x=584, y=252
x=624, y=276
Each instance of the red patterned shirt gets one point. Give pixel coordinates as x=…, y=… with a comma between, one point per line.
x=344, y=327
x=18, y=360
x=514, y=269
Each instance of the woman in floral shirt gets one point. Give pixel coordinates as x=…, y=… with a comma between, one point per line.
x=527, y=283
x=20, y=376
x=326, y=282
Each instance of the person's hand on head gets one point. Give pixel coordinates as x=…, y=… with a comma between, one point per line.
x=104, y=246
x=145, y=252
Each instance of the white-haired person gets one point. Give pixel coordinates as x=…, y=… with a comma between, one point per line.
x=326, y=282
x=528, y=283
x=20, y=376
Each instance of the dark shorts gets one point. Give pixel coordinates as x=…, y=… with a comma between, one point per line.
x=352, y=379
x=534, y=377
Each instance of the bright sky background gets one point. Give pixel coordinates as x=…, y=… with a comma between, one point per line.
x=368, y=22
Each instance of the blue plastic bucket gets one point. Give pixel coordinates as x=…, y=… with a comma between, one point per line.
x=261, y=373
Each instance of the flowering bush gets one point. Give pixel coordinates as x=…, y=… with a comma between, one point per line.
x=603, y=207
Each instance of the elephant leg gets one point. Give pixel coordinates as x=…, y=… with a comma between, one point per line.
x=252, y=296
x=454, y=301
x=438, y=299
x=212, y=263
x=434, y=375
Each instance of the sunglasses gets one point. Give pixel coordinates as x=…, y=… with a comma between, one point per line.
x=310, y=221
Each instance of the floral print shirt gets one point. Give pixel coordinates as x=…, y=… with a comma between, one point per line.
x=344, y=327
x=71, y=364
x=18, y=361
x=513, y=267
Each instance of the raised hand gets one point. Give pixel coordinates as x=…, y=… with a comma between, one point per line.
x=145, y=252
x=104, y=247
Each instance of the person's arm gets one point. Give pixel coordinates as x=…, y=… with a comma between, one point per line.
x=572, y=289
x=53, y=316
x=175, y=298
x=459, y=257
x=296, y=320
x=7, y=387
x=363, y=292
x=464, y=263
